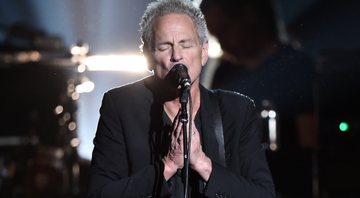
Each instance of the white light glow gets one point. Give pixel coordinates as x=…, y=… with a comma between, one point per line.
x=77, y=50
x=272, y=133
x=197, y=2
x=72, y=126
x=132, y=63
x=264, y=113
x=272, y=114
x=273, y=146
x=75, y=96
x=81, y=68
x=85, y=87
x=75, y=142
x=215, y=50
x=58, y=109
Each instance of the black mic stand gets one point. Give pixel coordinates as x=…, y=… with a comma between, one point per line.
x=184, y=97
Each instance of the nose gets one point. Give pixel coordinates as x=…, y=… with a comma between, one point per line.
x=176, y=54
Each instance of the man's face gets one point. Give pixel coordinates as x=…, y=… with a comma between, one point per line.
x=176, y=41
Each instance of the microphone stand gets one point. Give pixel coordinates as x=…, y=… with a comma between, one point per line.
x=184, y=97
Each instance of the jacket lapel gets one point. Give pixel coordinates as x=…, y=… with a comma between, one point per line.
x=212, y=142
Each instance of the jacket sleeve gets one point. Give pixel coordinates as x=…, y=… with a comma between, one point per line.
x=110, y=170
x=246, y=173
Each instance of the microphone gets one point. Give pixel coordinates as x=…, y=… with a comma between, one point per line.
x=180, y=75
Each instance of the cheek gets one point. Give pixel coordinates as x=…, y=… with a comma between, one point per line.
x=198, y=58
x=160, y=65
x=160, y=71
x=161, y=58
x=196, y=66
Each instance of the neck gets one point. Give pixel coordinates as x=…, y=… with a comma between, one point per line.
x=172, y=107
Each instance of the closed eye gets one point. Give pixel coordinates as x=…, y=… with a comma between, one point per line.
x=186, y=44
x=163, y=47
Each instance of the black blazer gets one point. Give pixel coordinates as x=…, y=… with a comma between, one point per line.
x=124, y=163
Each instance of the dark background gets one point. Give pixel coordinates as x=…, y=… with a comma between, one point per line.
x=40, y=161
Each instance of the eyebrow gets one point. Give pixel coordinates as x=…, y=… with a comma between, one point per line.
x=170, y=43
x=185, y=41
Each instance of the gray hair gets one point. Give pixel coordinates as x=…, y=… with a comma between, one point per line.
x=165, y=7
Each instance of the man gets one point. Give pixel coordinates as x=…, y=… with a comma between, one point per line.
x=259, y=64
x=139, y=141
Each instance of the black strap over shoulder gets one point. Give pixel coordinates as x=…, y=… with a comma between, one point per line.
x=219, y=133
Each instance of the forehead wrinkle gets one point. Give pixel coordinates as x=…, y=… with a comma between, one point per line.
x=173, y=27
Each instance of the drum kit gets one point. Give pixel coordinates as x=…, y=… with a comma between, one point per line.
x=38, y=130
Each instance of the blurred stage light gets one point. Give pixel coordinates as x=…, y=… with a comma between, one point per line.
x=58, y=109
x=196, y=2
x=132, y=63
x=272, y=130
x=272, y=114
x=75, y=142
x=270, y=117
x=81, y=68
x=79, y=49
x=21, y=57
x=215, y=50
x=75, y=95
x=72, y=126
x=264, y=113
x=85, y=86
x=344, y=127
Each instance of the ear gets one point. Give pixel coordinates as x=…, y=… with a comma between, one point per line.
x=204, y=53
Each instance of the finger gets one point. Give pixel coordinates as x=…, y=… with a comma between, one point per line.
x=195, y=139
x=195, y=132
x=176, y=125
x=178, y=131
x=192, y=130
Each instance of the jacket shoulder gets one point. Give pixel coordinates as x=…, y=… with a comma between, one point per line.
x=129, y=90
x=232, y=97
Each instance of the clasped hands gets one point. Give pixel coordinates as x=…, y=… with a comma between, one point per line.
x=174, y=159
